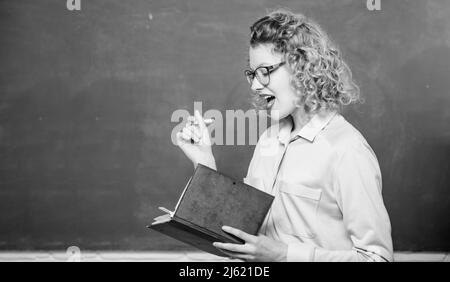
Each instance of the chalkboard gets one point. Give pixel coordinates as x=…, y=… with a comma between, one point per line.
x=86, y=99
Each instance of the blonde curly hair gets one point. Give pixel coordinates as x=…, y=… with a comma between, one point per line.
x=320, y=77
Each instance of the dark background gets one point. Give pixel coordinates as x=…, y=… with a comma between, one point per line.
x=86, y=99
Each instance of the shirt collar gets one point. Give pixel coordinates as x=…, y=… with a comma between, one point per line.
x=309, y=131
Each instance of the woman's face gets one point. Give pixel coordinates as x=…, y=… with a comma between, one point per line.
x=279, y=94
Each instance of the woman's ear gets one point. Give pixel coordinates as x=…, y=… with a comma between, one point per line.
x=298, y=100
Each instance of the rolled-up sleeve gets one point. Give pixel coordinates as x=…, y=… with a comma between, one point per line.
x=358, y=194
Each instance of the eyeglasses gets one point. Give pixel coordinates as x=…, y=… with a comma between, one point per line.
x=262, y=74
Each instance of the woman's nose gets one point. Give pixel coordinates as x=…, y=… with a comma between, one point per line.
x=256, y=85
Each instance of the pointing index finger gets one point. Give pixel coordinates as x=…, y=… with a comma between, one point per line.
x=199, y=119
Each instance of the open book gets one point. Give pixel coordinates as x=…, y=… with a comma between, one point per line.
x=209, y=201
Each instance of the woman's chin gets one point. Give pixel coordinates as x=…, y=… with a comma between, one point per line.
x=274, y=114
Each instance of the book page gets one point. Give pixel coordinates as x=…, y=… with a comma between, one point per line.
x=162, y=218
x=166, y=211
x=182, y=194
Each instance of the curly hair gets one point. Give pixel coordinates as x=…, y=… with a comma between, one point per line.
x=320, y=77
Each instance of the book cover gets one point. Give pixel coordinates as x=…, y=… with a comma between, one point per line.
x=209, y=201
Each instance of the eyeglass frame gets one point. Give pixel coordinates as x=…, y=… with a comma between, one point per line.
x=269, y=69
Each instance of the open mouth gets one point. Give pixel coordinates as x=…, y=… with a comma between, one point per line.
x=270, y=100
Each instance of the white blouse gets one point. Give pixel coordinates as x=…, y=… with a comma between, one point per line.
x=326, y=181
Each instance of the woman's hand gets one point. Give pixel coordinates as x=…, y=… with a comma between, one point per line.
x=256, y=248
x=195, y=142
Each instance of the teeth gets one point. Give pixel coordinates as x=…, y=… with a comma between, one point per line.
x=270, y=101
x=267, y=97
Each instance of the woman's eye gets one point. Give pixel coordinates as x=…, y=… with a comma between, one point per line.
x=263, y=72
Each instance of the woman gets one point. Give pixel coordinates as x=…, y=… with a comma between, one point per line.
x=325, y=177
